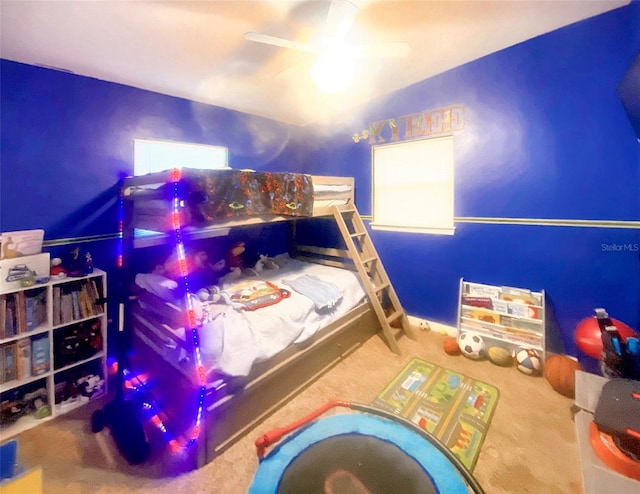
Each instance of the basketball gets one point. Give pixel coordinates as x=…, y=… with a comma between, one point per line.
x=560, y=372
x=528, y=361
x=450, y=346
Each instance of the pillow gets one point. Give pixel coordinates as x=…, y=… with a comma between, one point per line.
x=159, y=285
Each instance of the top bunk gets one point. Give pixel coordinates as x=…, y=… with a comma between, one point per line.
x=208, y=202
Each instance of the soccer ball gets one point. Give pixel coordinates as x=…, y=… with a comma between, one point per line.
x=528, y=361
x=471, y=345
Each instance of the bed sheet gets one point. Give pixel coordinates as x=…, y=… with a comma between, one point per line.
x=232, y=340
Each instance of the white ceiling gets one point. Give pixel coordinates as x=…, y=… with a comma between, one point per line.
x=196, y=49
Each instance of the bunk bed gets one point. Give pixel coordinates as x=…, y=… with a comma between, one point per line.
x=208, y=385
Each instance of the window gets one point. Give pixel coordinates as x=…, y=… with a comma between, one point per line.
x=413, y=186
x=154, y=156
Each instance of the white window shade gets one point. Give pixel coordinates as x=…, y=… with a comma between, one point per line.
x=413, y=186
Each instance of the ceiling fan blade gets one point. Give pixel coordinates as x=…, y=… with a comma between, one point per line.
x=272, y=40
x=379, y=50
x=340, y=17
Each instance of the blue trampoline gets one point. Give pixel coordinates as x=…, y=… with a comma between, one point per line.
x=367, y=452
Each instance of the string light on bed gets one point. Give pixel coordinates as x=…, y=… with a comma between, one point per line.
x=177, y=227
x=137, y=384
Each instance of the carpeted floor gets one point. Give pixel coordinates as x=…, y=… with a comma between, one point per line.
x=530, y=446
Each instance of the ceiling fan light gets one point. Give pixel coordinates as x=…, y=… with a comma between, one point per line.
x=333, y=73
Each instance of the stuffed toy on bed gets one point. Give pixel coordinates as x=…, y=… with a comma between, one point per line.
x=201, y=271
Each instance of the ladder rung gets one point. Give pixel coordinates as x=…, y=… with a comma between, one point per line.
x=370, y=259
x=348, y=211
x=358, y=234
x=395, y=315
x=378, y=289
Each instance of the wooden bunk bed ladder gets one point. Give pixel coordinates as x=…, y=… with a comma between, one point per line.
x=382, y=296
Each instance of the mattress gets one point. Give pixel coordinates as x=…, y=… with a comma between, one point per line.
x=234, y=338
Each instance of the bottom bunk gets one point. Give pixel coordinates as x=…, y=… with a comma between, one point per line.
x=241, y=391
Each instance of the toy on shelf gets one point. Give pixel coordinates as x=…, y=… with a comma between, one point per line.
x=79, y=389
x=57, y=269
x=75, y=264
x=34, y=403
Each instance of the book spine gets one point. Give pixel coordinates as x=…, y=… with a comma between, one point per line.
x=2, y=364
x=40, y=355
x=75, y=305
x=10, y=326
x=3, y=316
x=24, y=358
x=10, y=367
x=56, y=306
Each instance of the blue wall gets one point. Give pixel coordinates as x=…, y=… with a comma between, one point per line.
x=545, y=137
x=68, y=140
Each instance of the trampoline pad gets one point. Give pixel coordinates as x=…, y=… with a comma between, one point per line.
x=357, y=453
x=357, y=464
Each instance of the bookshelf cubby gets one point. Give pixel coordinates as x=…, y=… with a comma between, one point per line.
x=53, y=347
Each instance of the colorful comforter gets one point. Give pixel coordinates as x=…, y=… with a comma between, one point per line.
x=227, y=193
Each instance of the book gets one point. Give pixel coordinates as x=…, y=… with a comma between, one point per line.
x=75, y=305
x=474, y=290
x=35, y=308
x=522, y=295
x=21, y=316
x=24, y=358
x=3, y=316
x=10, y=316
x=40, y=355
x=20, y=243
x=9, y=366
x=485, y=302
x=57, y=318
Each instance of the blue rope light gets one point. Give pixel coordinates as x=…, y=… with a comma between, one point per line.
x=177, y=228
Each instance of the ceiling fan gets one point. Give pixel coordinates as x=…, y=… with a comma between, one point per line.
x=335, y=56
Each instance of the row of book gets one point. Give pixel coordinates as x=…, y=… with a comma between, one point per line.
x=23, y=311
x=505, y=293
x=76, y=300
x=528, y=321
x=509, y=335
x=24, y=358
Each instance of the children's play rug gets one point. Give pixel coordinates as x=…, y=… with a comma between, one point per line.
x=451, y=406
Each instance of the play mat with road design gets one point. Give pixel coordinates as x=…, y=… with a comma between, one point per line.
x=455, y=408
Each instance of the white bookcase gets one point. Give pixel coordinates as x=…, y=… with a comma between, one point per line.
x=503, y=316
x=53, y=343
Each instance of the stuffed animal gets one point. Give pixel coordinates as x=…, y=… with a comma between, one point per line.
x=57, y=269
x=202, y=273
x=266, y=263
x=234, y=257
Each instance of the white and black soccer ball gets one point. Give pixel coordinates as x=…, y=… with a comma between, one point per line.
x=471, y=345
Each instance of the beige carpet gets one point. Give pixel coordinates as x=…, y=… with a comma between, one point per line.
x=530, y=447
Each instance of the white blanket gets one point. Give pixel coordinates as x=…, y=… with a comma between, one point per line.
x=235, y=340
